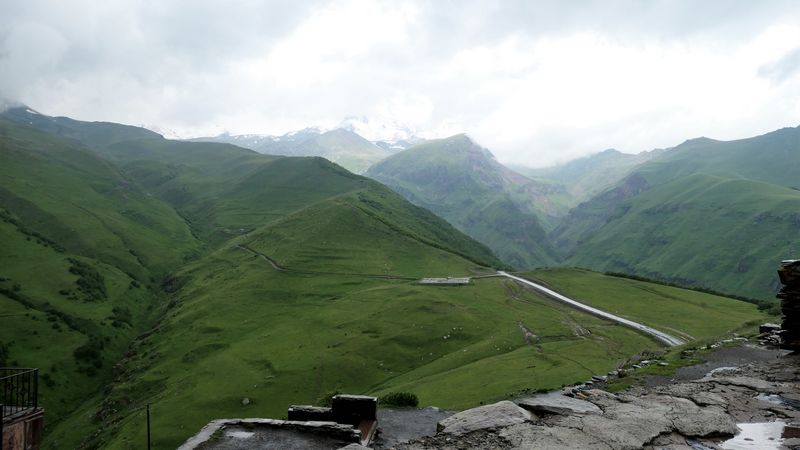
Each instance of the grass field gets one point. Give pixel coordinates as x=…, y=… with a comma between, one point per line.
x=724, y=233
x=240, y=329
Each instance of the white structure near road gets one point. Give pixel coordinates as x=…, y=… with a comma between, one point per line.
x=449, y=281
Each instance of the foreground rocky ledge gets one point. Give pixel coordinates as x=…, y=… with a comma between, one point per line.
x=697, y=414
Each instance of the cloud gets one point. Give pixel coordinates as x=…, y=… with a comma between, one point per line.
x=535, y=81
x=783, y=69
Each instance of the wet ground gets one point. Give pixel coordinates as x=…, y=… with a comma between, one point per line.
x=269, y=438
x=718, y=359
x=396, y=426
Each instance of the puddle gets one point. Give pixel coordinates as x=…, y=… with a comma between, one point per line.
x=240, y=434
x=696, y=445
x=760, y=436
x=779, y=400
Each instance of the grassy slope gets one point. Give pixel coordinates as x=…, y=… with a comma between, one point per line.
x=462, y=183
x=58, y=202
x=225, y=191
x=673, y=310
x=709, y=213
x=240, y=329
x=771, y=158
x=705, y=230
x=87, y=205
x=586, y=177
x=57, y=191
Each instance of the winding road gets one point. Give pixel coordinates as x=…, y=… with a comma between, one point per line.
x=660, y=336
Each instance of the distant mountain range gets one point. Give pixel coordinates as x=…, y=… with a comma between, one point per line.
x=704, y=213
x=342, y=146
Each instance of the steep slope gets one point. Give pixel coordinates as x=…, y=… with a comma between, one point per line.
x=341, y=146
x=586, y=177
x=90, y=133
x=463, y=183
x=89, y=250
x=701, y=230
x=83, y=251
x=772, y=158
x=707, y=213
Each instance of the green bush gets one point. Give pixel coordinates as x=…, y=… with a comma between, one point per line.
x=90, y=281
x=327, y=398
x=402, y=399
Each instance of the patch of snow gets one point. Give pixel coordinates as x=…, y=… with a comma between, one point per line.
x=30, y=111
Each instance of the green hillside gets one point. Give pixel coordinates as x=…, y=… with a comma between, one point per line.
x=83, y=251
x=772, y=158
x=583, y=178
x=705, y=213
x=89, y=133
x=702, y=230
x=241, y=329
x=92, y=238
x=463, y=183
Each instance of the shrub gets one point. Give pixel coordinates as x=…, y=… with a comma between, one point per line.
x=402, y=399
x=327, y=398
x=90, y=354
x=90, y=281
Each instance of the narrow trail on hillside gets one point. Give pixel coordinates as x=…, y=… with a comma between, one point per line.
x=660, y=336
x=280, y=268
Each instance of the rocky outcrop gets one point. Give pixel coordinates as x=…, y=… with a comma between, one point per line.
x=694, y=414
x=489, y=417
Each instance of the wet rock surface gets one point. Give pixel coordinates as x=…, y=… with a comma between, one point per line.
x=683, y=414
x=399, y=425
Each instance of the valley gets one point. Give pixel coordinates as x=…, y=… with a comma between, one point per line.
x=209, y=281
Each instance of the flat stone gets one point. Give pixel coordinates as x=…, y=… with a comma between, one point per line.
x=755, y=384
x=354, y=447
x=537, y=437
x=706, y=398
x=556, y=403
x=490, y=417
x=694, y=421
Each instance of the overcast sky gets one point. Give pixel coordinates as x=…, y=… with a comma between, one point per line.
x=537, y=82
